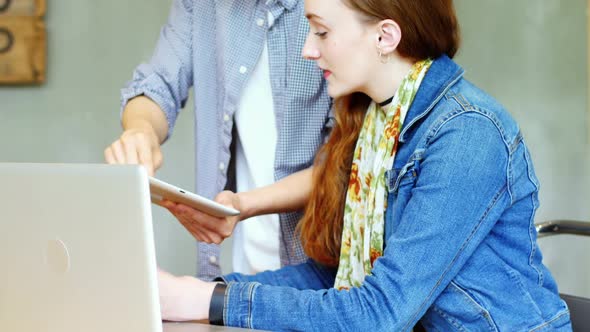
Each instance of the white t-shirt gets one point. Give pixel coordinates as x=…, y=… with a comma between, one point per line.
x=256, y=240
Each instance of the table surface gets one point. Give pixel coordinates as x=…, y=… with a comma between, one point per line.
x=197, y=327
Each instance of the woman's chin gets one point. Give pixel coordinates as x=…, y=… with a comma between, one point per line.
x=334, y=92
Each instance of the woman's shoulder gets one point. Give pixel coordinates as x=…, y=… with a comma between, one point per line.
x=464, y=99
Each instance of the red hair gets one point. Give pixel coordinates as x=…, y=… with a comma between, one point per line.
x=429, y=30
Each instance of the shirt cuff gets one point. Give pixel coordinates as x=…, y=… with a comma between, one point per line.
x=216, y=305
x=147, y=87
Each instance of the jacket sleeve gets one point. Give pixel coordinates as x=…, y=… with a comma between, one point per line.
x=458, y=196
x=308, y=275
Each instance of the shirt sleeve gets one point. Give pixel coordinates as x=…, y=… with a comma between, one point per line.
x=168, y=76
x=208, y=261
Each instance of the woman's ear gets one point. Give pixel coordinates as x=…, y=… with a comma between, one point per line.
x=389, y=36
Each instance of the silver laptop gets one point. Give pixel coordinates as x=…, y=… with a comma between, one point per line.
x=76, y=249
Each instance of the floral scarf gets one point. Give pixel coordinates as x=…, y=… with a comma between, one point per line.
x=366, y=198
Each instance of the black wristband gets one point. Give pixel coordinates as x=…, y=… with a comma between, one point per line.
x=216, y=305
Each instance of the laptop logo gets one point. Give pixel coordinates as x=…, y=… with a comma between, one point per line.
x=57, y=257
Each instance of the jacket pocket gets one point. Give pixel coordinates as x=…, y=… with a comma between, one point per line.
x=404, y=176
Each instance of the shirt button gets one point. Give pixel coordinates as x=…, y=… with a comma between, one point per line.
x=260, y=22
x=221, y=166
x=212, y=259
x=243, y=70
x=226, y=118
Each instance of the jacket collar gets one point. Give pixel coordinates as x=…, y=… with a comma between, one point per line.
x=443, y=74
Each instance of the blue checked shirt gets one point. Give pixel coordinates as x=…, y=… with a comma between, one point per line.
x=212, y=46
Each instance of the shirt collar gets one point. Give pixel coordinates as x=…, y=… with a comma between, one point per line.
x=287, y=4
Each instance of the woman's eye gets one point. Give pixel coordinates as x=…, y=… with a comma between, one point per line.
x=321, y=34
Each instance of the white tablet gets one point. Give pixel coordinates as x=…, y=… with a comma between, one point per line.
x=160, y=190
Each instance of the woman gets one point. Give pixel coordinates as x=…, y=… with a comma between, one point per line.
x=422, y=205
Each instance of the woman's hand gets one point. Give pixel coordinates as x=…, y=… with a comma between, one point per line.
x=204, y=227
x=184, y=298
x=288, y=194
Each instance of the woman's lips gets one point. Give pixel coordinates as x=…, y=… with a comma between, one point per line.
x=327, y=73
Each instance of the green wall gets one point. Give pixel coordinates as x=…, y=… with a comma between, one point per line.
x=93, y=47
x=530, y=55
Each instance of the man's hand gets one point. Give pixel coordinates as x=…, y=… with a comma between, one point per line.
x=136, y=146
x=145, y=128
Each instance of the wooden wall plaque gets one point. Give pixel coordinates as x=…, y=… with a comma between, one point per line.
x=22, y=41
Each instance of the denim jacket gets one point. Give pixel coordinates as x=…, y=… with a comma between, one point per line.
x=460, y=251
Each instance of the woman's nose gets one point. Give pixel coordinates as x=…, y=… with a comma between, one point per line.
x=310, y=52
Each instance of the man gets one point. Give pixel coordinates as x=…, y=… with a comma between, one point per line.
x=261, y=113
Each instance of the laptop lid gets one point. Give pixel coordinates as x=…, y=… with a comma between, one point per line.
x=76, y=249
